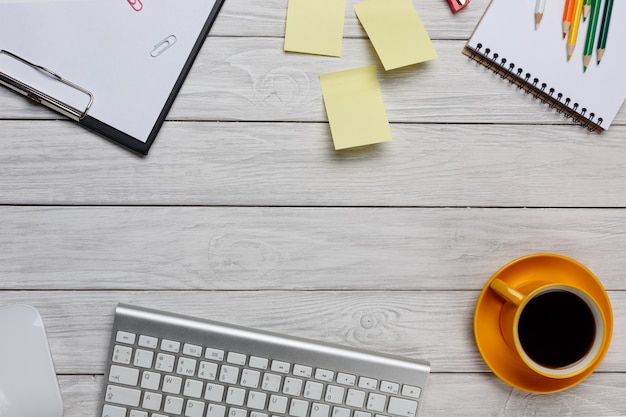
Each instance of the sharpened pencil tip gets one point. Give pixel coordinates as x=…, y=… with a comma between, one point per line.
x=584, y=69
x=564, y=35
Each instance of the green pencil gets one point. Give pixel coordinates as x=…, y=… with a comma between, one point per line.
x=586, y=9
x=604, y=29
x=591, y=33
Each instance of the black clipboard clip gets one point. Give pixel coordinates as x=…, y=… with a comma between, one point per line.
x=41, y=97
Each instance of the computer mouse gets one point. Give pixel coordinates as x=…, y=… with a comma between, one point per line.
x=28, y=382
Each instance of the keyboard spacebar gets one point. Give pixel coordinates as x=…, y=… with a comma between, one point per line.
x=124, y=396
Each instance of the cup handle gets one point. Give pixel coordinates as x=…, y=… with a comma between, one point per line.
x=506, y=292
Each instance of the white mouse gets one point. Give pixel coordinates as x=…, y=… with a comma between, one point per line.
x=28, y=382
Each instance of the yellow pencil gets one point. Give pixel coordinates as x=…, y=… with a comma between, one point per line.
x=573, y=30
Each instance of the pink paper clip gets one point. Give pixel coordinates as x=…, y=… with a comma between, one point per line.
x=457, y=5
x=137, y=5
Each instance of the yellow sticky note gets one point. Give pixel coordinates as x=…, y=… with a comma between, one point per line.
x=315, y=26
x=396, y=32
x=355, y=108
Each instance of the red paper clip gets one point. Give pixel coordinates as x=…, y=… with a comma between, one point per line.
x=456, y=5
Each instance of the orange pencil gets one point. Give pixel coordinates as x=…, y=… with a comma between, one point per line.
x=567, y=16
x=573, y=30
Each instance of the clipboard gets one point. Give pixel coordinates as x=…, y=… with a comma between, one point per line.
x=114, y=67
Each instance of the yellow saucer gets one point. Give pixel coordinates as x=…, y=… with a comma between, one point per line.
x=504, y=360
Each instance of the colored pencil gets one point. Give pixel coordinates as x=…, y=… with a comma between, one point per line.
x=604, y=29
x=567, y=16
x=586, y=9
x=573, y=29
x=591, y=32
x=539, y=8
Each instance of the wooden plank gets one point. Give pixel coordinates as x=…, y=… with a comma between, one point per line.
x=263, y=164
x=294, y=248
x=447, y=395
x=252, y=79
x=267, y=18
x=431, y=325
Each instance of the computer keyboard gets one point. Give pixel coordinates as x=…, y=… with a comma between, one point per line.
x=163, y=364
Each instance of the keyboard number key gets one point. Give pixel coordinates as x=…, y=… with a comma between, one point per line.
x=271, y=382
x=334, y=394
x=207, y=370
x=165, y=362
x=313, y=390
x=250, y=378
x=186, y=366
x=143, y=358
x=229, y=374
x=411, y=391
x=292, y=386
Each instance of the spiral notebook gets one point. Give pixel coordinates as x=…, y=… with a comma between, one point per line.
x=506, y=41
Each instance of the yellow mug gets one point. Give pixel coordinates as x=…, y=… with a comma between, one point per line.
x=558, y=331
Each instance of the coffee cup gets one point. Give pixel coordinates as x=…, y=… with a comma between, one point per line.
x=558, y=330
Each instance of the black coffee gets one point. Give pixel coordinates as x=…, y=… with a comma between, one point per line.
x=556, y=329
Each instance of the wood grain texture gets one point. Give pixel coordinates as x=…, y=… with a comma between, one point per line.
x=261, y=164
x=238, y=248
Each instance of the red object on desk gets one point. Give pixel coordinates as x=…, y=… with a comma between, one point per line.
x=456, y=5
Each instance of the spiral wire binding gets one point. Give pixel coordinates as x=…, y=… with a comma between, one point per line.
x=533, y=87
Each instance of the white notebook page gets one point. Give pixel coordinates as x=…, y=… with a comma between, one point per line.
x=508, y=29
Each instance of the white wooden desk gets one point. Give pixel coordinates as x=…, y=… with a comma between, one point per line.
x=243, y=212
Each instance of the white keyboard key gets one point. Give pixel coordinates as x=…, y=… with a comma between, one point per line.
x=292, y=386
x=214, y=354
x=334, y=394
x=164, y=362
x=258, y=363
x=173, y=405
x=402, y=407
x=237, y=412
x=150, y=380
x=158, y=415
x=367, y=383
x=236, y=358
x=172, y=384
x=235, y=396
x=186, y=366
x=256, y=400
x=122, y=354
x=170, y=346
x=257, y=414
x=411, y=391
x=346, y=379
x=303, y=371
x=389, y=387
x=324, y=375
x=215, y=410
x=113, y=411
x=125, y=337
x=123, y=375
x=137, y=413
x=143, y=358
x=298, y=408
x=194, y=408
x=229, y=374
x=214, y=392
x=250, y=378
x=376, y=402
x=320, y=410
x=341, y=412
x=278, y=404
x=192, y=350
x=152, y=401
x=123, y=396
x=281, y=367
x=207, y=370
x=148, y=342
x=271, y=382
x=355, y=398
x=193, y=388
x=313, y=390
x=358, y=413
